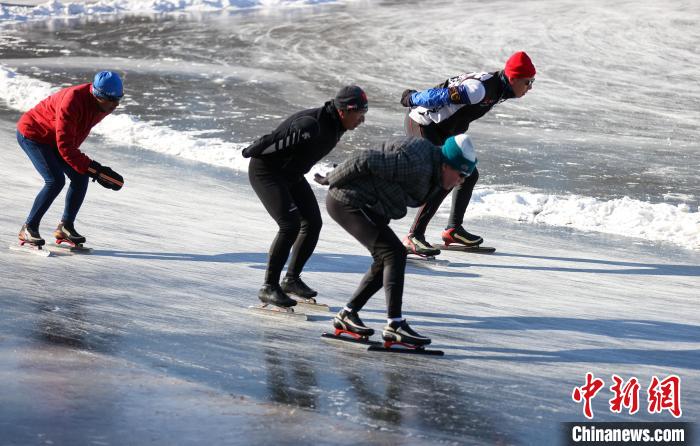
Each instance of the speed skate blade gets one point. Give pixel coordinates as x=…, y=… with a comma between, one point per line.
x=271, y=310
x=312, y=306
x=426, y=261
x=473, y=249
x=351, y=340
x=396, y=348
x=31, y=249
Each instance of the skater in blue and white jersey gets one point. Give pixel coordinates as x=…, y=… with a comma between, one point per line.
x=447, y=110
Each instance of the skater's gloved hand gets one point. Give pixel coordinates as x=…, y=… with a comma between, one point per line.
x=406, y=98
x=320, y=179
x=105, y=176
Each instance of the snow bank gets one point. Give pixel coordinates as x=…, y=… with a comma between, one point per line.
x=625, y=216
x=23, y=92
x=57, y=8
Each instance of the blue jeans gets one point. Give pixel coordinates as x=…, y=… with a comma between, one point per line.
x=48, y=162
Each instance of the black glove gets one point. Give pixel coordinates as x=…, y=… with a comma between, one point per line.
x=105, y=176
x=320, y=179
x=406, y=98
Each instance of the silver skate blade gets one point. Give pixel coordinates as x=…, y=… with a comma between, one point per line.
x=347, y=339
x=271, y=310
x=312, y=306
x=31, y=249
x=477, y=249
x=405, y=350
x=426, y=261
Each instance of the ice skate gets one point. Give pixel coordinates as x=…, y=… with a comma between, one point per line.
x=350, y=328
x=459, y=236
x=30, y=236
x=350, y=322
x=401, y=333
x=273, y=295
x=67, y=237
x=31, y=242
x=416, y=244
x=296, y=286
x=400, y=338
x=302, y=294
x=276, y=303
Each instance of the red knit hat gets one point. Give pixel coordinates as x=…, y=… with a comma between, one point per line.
x=519, y=65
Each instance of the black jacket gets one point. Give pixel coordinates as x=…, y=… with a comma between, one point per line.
x=403, y=172
x=300, y=141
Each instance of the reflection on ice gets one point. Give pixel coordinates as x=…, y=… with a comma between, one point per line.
x=69, y=325
x=290, y=379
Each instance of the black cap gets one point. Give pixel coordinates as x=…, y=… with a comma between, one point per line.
x=351, y=97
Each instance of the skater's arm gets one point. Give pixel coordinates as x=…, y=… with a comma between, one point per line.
x=68, y=115
x=471, y=91
x=300, y=131
x=351, y=168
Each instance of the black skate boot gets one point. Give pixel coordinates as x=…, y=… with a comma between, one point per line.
x=66, y=233
x=30, y=236
x=349, y=322
x=416, y=244
x=294, y=285
x=460, y=236
x=401, y=333
x=273, y=295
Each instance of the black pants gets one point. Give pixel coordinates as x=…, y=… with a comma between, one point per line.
x=389, y=254
x=462, y=193
x=293, y=206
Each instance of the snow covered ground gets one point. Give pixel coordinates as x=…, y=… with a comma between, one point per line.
x=148, y=340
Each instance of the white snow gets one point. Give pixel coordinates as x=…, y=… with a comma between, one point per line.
x=58, y=9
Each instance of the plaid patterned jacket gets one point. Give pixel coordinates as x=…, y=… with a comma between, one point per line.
x=403, y=172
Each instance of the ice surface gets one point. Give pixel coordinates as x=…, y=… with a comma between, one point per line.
x=148, y=339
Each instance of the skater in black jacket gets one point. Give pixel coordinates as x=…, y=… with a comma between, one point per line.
x=370, y=189
x=278, y=163
x=447, y=110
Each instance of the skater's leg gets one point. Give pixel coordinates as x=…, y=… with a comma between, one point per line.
x=393, y=254
x=426, y=212
x=76, y=193
x=387, y=270
x=387, y=251
x=310, y=229
x=274, y=193
x=46, y=161
x=461, y=196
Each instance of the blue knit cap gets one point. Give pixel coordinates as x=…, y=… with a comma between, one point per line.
x=108, y=85
x=458, y=152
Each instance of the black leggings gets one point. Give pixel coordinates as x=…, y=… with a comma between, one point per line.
x=389, y=254
x=462, y=193
x=294, y=207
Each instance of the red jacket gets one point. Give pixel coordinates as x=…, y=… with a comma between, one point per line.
x=64, y=120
